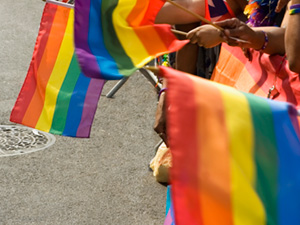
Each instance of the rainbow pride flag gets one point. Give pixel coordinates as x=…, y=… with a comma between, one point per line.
x=236, y=156
x=113, y=38
x=170, y=220
x=56, y=97
x=259, y=75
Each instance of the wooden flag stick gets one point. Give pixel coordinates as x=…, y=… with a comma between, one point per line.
x=195, y=14
x=233, y=38
x=153, y=69
x=61, y=4
x=179, y=32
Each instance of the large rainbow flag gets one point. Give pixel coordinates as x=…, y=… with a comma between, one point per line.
x=56, y=97
x=236, y=156
x=259, y=75
x=113, y=38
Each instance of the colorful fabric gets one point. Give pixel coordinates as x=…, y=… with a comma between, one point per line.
x=261, y=12
x=259, y=75
x=217, y=10
x=294, y=11
x=113, y=38
x=236, y=156
x=169, y=220
x=56, y=97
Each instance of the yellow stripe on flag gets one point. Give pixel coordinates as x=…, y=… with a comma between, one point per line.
x=131, y=43
x=57, y=76
x=247, y=206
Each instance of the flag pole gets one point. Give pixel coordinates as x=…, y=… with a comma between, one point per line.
x=153, y=69
x=179, y=32
x=60, y=3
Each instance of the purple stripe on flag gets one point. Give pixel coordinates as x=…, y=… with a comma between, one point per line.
x=169, y=219
x=81, y=31
x=89, y=107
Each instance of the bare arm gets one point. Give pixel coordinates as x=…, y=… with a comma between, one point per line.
x=186, y=57
x=160, y=125
x=255, y=36
x=170, y=14
x=276, y=39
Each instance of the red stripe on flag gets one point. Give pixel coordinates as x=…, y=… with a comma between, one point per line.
x=168, y=37
x=29, y=85
x=201, y=182
x=152, y=10
x=183, y=178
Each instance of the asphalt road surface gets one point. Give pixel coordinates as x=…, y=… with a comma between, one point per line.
x=100, y=180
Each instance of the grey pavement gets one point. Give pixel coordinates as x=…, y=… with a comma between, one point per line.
x=100, y=180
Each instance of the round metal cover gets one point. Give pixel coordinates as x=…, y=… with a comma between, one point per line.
x=17, y=140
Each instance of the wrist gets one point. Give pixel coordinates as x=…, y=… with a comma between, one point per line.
x=262, y=40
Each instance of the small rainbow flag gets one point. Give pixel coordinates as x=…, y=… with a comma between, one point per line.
x=236, y=156
x=113, y=38
x=56, y=97
x=259, y=75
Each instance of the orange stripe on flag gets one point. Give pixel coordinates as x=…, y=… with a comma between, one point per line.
x=144, y=33
x=45, y=69
x=214, y=173
x=137, y=14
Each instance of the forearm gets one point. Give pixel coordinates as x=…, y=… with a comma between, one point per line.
x=186, y=57
x=171, y=14
x=275, y=43
x=292, y=40
x=254, y=37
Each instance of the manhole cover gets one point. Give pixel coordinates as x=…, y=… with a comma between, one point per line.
x=16, y=140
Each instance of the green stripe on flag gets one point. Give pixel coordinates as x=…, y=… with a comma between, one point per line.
x=64, y=97
x=266, y=157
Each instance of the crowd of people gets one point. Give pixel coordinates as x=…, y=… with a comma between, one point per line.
x=270, y=27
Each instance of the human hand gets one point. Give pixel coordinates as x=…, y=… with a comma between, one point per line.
x=238, y=29
x=280, y=5
x=206, y=35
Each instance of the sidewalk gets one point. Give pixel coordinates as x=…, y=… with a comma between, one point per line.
x=100, y=180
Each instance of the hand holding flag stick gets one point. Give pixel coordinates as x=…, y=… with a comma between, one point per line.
x=233, y=38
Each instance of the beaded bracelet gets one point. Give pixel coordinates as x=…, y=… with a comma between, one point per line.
x=161, y=91
x=294, y=9
x=265, y=43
